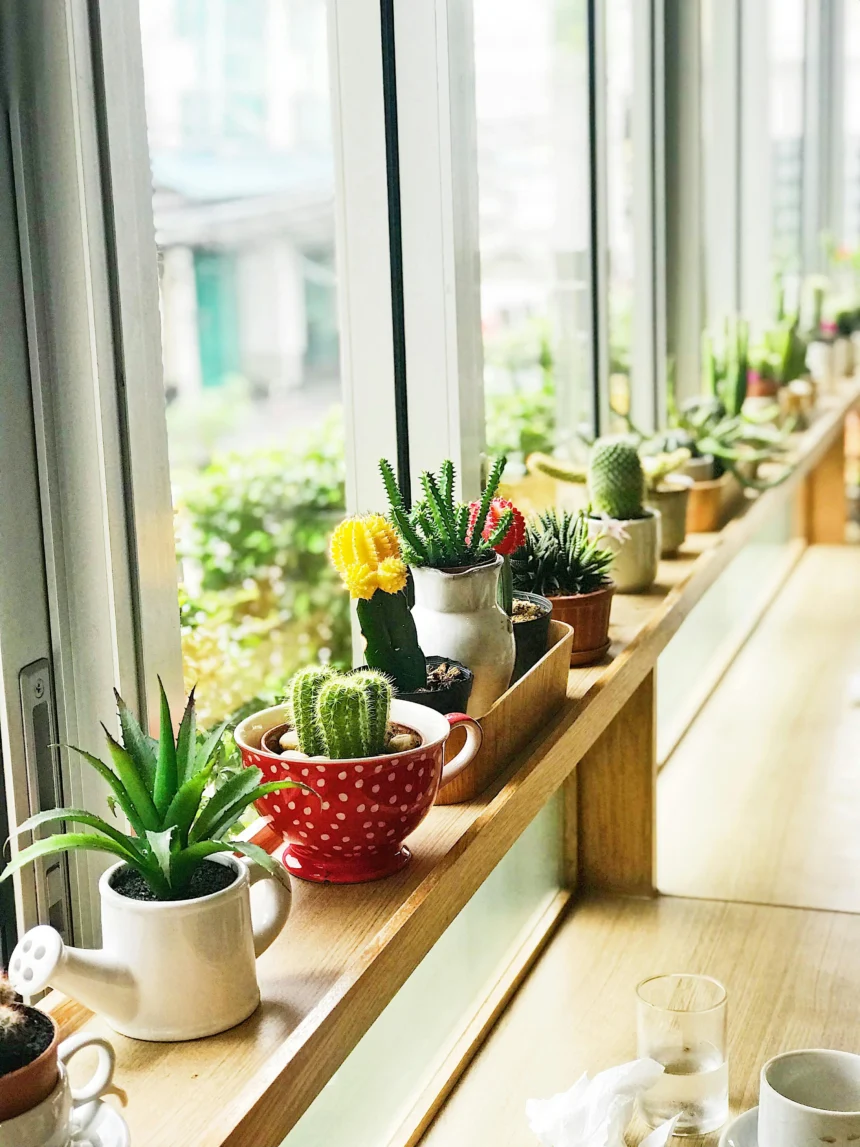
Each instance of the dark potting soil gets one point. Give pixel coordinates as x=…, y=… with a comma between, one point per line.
x=208, y=877
x=442, y=676
x=26, y=1041
x=526, y=610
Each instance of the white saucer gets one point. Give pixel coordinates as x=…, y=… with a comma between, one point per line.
x=97, y=1125
x=743, y=1132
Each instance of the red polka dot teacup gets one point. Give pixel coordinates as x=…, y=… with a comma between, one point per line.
x=354, y=827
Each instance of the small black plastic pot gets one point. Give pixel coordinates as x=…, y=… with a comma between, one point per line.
x=453, y=699
x=530, y=637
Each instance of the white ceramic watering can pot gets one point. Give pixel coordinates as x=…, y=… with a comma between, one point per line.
x=457, y=615
x=169, y=970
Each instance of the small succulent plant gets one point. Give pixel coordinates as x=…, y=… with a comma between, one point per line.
x=339, y=715
x=161, y=788
x=439, y=531
x=559, y=558
x=365, y=552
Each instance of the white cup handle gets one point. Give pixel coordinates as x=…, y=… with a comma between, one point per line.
x=474, y=737
x=270, y=907
x=100, y=1080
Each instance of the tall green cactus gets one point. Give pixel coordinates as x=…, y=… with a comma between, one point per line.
x=342, y=718
x=302, y=693
x=391, y=640
x=615, y=478
x=377, y=690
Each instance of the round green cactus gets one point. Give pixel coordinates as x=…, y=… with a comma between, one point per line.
x=615, y=478
x=302, y=694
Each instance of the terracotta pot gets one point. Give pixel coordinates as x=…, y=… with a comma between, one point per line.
x=530, y=636
x=457, y=615
x=27, y=1087
x=637, y=557
x=712, y=503
x=758, y=387
x=588, y=613
x=354, y=829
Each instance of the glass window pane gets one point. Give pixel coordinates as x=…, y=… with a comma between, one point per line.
x=237, y=101
x=619, y=199
x=531, y=77
x=851, y=155
x=787, y=50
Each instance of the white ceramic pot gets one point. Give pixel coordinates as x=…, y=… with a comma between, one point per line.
x=821, y=360
x=671, y=498
x=169, y=970
x=810, y=1097
x=634, y=567
x=700, y=469
x=843, y=354
x=457, y=615
x=49, y=1123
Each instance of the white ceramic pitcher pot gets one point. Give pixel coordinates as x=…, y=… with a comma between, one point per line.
x=457, y=615
x=168, y=970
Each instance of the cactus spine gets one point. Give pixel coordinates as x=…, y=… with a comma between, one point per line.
x=302, y=695
x=377, y=690
x=615, y=478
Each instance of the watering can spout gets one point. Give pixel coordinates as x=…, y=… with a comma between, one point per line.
x=90, y=976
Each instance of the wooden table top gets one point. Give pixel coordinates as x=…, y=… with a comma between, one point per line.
x=793, y=981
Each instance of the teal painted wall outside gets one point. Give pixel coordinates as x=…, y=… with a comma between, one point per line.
x=217, y=315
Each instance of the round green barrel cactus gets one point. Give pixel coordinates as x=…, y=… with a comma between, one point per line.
x=615, y=478
x=340, y=715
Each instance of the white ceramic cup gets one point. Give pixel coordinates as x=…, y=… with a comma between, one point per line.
x=810, y=1097
x=49, y=1123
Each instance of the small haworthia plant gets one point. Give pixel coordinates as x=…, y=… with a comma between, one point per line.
x=439, y=531
x=365, y=552
x=339, y=715
x=165, y=791
x=559, y=558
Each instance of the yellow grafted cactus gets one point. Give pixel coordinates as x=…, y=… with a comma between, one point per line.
x=366, y=554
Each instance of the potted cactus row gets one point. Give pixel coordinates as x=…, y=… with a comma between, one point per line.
x=559, y=561
x=375, y=763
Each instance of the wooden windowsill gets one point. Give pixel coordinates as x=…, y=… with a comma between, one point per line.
x=347, y=950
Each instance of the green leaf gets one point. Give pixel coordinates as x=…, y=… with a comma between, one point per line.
x=232, y=813
x=245, y=782
x=186, y=742
x=136, y=742
x=258, y=855
x=133, y=784
x=165, y=772
x=160, y=843
x=186, y=804
x=70, y=842
x=123, y=799
x=80, y=816
x=207, y=749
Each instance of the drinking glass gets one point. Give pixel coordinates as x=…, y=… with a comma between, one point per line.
x=681, y=1022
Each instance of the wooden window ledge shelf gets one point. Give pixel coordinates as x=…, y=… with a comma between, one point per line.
x=347, y=950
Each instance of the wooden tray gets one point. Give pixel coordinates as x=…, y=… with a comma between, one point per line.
x=517, y=716
x=712, y=503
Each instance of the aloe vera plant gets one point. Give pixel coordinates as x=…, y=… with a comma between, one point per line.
x=164, y=790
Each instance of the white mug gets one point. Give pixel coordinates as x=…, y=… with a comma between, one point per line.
x=810, y=1097
x=49, y=1123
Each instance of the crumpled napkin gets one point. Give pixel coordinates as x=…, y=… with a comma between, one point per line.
x=596, y=1112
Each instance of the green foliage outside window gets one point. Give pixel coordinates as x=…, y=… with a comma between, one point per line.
x=259, y=597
